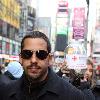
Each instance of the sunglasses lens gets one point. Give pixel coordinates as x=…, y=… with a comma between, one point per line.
x=26, y=54
x=42, y=54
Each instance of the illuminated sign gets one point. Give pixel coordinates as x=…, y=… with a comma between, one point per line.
x=10, y=12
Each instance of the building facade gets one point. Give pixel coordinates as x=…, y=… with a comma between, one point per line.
x=9, y=27
x=14, y=24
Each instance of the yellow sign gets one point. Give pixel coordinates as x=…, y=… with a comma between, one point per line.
x=10, y=12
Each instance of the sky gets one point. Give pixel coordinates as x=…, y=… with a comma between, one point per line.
x=46, y=8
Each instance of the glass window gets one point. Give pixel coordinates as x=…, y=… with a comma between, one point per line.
x=13, y=49
x=7, y=47
x=1, y=27
x=0, y=46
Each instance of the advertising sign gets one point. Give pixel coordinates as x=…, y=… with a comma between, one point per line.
x=11, y=57
x=63, y=6
x=75, y=55
x=62, y=10
x=78, y=33
x=78, y=23
x=62, y=25
x=79, y=17
x=76, y=61
x=10, y=11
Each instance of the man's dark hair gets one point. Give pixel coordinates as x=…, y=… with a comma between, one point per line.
x=37, y=34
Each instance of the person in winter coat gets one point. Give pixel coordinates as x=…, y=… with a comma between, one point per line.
x=14, y=71
x=82, y=82
x=39, y=81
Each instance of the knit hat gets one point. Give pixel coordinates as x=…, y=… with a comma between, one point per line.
x=15, y=69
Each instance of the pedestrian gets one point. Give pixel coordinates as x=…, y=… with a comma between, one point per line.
x=82, y=82
x=87, y=80
x=39, y=81
x=14, y=71
x=66, y=73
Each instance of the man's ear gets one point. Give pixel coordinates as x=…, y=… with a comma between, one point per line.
x=51, y=59
x=20, y=59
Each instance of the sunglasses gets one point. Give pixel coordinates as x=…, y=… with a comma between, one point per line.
x=27, y=54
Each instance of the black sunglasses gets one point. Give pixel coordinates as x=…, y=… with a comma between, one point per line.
x=27, y=54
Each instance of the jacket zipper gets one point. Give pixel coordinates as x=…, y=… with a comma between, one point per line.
x=30, y=88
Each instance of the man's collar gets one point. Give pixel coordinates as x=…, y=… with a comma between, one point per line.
x=51, y=85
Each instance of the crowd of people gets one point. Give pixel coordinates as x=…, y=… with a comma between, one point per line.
x=84, y=81
x=36, y=80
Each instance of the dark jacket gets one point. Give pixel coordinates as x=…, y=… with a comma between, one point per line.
x=96, y=92
x=85, y=88
x=6, y=78
x=55, y=88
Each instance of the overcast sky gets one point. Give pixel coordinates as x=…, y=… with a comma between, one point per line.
x=46, y=8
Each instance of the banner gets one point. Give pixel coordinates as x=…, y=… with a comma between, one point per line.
x=78, y=23
x=76, y=56
x=62, y=25
x=78, y=32
x=76, y=61
x=63, y=6
x=79, y=17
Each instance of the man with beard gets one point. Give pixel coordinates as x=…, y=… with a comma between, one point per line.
x=39, y=82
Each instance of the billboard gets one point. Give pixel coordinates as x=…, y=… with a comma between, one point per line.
x=62, y=25
x=63, y=6
x=78, y=32
x=61, y=42
x=79, y=17
x=10, y=11
x=78, y=23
